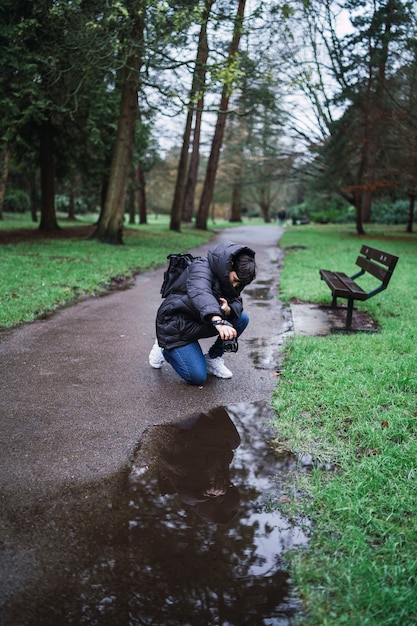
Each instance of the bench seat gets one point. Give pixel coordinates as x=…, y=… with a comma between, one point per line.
x=342, y=286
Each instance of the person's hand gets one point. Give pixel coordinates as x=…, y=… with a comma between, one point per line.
x=225, y=330
x=225, y=306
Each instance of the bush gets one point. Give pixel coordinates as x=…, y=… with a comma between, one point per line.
x=326, y=217
x=82, y=207
x=390, y=213
x=16, y=201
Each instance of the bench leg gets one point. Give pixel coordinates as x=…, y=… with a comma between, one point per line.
x=349, y=313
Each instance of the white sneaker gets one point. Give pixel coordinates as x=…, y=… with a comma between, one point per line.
x=156, y=358
x=217, y=367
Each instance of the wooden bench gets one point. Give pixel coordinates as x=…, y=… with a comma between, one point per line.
x=375, y=262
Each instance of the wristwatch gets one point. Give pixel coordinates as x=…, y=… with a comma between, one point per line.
x=222, y=323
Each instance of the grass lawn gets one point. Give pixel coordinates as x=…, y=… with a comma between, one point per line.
x=40, y=274
x=350, y=400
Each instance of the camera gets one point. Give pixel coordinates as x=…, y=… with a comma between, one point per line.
x=230, y=345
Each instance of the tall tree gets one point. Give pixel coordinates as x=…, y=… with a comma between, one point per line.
x=355, y=117
x=213, y=161
x=403, y=137
x=196, y=95
x=110, y=226
x=194, y=161
x=253, y=144
x=5, y=158
x=53, y=58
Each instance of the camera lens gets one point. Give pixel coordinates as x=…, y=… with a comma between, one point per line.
x=230, y=345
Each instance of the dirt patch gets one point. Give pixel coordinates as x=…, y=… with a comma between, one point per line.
x=320, y=320
x=34, y=234
x=359, y=319
x=84, y=231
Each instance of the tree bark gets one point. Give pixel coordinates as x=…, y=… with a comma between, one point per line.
x=71, y=205
x=374, y=112
x=143, y=219
x=48, y=221
x=131, y=209
x=191, y=184
x=208, y=188
x=4, y=177
x=358, y=217
x=110, y=226
x=196, y=87
x=177, y=203
x=410, y=220
x=33, y=197
x=236, y=207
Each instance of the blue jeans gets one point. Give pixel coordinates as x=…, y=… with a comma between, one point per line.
x=189, y=362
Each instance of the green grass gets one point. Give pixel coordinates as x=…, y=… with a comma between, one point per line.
x=350, y=400
x=38, y=276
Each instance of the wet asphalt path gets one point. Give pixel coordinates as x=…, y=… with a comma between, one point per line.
x=77, y=391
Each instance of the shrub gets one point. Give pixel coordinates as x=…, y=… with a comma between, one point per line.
x=333, y=214
x=390, y=212
x=325, y=217
x=82, y=206
x=16, y=201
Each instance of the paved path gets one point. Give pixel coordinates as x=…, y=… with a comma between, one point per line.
x=77, y=390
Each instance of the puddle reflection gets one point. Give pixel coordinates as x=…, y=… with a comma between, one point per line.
x=184, y=536
x=261, y=292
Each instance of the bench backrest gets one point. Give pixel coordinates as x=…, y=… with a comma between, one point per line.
x=378, y=263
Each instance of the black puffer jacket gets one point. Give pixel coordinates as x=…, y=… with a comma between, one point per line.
x=185, y=315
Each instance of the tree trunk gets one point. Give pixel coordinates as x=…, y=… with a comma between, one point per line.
x=358, y=218
x=33, y=197
x=142, y=196
x=131, y=202
x=236, y=208
x=196, y=87
x=110, y=226
x=4, y=177
x=71, y=206
x=376, y=116
x=410, y=220
x=208, y=188
x=48, y=221
x=264, y=206
x=191, y=184
x=176, y=209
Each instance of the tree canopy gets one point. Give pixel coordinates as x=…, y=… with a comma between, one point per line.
x=280, y=102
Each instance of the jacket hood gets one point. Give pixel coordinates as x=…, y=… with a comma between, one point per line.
x=221, y=258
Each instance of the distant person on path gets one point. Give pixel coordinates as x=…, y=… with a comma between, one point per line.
x=205, y=302
x=281, y=216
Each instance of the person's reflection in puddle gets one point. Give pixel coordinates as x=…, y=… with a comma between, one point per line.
x=192, y=459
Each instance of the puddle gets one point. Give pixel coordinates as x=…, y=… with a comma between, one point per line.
x=261, y=292
x=188, y=535
x=263, y=350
